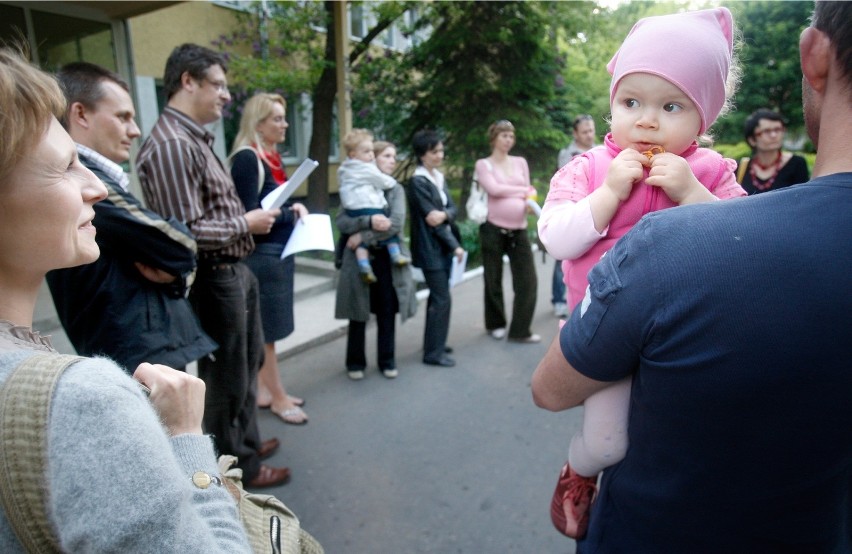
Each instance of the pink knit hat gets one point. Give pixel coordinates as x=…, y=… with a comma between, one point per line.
x=692, y=50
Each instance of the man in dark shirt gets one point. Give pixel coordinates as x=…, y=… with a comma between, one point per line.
x=733, y=318
x=130, y=304
x=182, y=177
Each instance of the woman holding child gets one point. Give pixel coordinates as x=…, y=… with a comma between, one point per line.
x=391, y=293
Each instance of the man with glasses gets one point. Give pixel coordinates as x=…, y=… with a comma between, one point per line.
x=181, y=177
x=769, y=167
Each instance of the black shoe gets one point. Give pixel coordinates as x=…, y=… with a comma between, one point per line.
x=443, y=361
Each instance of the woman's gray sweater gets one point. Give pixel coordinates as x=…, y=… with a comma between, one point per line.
x=117, y=482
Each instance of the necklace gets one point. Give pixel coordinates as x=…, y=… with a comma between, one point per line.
x=761, y=184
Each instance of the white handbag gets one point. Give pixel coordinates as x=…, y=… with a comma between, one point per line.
x=477, y=202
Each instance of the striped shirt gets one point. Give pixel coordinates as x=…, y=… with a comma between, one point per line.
x=181, y=177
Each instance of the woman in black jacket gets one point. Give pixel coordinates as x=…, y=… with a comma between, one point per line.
x=433, y=243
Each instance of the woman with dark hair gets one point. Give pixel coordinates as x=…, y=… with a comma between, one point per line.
x=769, y=167
x=433, y=243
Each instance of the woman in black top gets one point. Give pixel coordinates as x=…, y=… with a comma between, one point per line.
x=769, y=167
x=257, y=170
x=433, y=243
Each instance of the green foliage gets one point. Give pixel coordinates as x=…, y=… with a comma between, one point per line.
x=470, y=241
x=772, y=76
x=280, y=52
x=482, y=61
x=735, y=151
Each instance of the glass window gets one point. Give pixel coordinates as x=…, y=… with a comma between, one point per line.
x=13, y=24
x=62, y=39
x=356, y=21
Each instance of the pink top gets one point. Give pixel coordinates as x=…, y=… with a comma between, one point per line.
x=582, y=248
x=507, y=194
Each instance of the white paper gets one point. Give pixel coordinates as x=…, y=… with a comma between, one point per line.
x=457, y=270
x=277, y=197
x=535, y=207
x=312, y=232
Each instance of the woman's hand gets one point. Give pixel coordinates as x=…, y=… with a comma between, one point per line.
x=673, y=174
x=436, y=217
x=177, y=397
x=380, y=222
x=260, y=221
x=299, y=209
x=354, y=241
x=459, y=253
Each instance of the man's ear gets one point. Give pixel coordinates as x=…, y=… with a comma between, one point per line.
x=78, y=115
x=816, y=56
x=186, y=81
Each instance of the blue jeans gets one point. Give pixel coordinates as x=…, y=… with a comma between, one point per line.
x=557, y=289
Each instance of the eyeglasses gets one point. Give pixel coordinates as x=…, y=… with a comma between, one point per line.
x=220, y=86
x=771, y=131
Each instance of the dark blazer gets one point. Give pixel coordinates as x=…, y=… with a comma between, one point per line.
x=431, y=247
x=107, y=308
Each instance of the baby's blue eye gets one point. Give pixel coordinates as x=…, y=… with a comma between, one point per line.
x=672, y=107
x=631, y=103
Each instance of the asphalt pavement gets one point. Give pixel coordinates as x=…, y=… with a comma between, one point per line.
x=438, y=460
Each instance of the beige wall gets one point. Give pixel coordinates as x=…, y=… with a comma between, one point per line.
x=154, y=35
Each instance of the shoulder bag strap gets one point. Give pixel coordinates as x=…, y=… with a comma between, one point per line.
x=24, y=412
x=742, y=169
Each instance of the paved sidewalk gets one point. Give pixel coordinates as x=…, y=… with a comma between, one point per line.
x=438, y=460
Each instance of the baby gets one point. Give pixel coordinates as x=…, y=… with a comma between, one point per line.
x=670, y=81
x=362, y=187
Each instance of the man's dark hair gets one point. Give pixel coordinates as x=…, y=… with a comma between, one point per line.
x=754, y=120
x=192, y=59
x=835, y=20
x=581, y=118
x=424, y=141
x=81, y=82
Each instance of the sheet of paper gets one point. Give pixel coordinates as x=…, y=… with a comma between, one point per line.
x=534, y=206
x=277, y=197
x=312, y=232
x=457, y=270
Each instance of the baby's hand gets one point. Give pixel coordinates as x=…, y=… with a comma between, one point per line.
x=625, y=170
x=673, y=174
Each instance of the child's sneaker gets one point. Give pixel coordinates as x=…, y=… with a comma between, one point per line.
x=368, y=276
x=399, y=260
x=569, y=509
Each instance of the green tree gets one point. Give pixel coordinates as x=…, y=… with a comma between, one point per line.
x=291, y=49
x=772, y=76
x=473, y=63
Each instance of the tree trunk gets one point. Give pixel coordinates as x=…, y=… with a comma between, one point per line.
x=322, y=119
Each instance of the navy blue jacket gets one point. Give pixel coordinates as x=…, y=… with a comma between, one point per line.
x=108, y=308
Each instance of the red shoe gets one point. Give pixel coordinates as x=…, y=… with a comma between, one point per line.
x=569, y=509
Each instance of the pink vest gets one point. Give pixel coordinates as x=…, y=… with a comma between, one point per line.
x=710, y=168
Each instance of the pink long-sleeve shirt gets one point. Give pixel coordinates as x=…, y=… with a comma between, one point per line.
x=507, y=194
x=566, y=227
